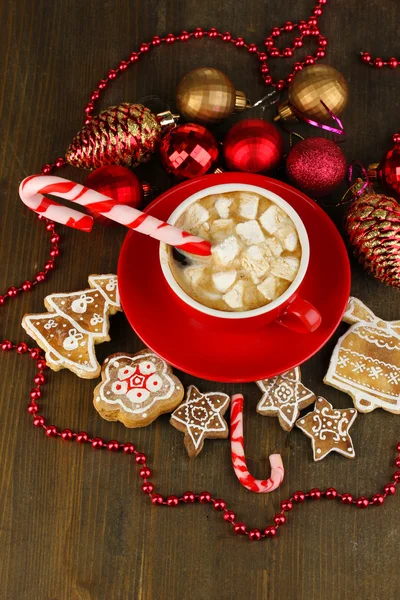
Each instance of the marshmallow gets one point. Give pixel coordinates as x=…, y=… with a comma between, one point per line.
x=223, y=280
x=286, y=267
x=248, y=206
x=287, y=235
x=255, y=260
x=273, y=246
x=222, y=206
x=273, y=218
x=234, y=298
x=268, y=288
x=226, y=251
x=195, y=216
x=250, y=232
x=194, y=273
x=220, y=229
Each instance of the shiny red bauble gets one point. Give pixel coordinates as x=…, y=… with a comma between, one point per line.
x=389, y=170
x=253, y=145
x=317, y=166
x=188, y=150
x=118, y=183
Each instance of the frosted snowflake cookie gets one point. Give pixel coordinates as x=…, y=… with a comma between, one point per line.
x=136, y=388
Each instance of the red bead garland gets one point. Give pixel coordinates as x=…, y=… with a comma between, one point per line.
x=240, y=528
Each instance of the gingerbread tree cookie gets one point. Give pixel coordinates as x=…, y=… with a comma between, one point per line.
x=136, y=388
x=200, y=416
x=328, y=429
x=74, y=323
x=366, y=360
x=284, y=397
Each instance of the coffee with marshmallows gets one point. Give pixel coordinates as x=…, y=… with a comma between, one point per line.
x=255, y=255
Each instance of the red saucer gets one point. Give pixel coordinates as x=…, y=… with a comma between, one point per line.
x=223, y=353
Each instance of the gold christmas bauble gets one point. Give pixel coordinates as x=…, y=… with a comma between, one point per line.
x=311, y=85
x=207, y=95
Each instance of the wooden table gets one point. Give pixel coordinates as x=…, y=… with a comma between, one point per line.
x=74, y=524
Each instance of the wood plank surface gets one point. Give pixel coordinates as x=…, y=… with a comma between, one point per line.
x=74, y=524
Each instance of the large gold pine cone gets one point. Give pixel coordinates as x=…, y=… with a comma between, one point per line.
x=313, y=84
x=127, y=135
x=205, y=95
x=373, y=227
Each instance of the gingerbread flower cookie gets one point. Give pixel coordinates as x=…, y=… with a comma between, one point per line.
x=200, y=416
x=366, y=360
x=284, y=397
x=328, y=429
x=74, y=323
x=136, y=388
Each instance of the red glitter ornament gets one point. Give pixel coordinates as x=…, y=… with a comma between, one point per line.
x=316, y=165
x=189, y=150
x=118, y=183
x=253, y=145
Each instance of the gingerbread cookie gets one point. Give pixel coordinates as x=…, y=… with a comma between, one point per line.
x=74, y=323
x=136, y=388
x=284, y=397
x=328, y=429
x=366, y=360
x=200, y=416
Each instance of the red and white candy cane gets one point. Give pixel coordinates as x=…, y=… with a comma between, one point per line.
x=261, y=486
x=31, y=193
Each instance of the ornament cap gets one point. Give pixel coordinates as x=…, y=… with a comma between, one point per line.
x=372, y=171
x=167, y=118
x=285, y=112
x=241, y=102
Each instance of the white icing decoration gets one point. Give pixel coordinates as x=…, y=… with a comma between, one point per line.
x=152, y=397
x=80, y=304
x=72, y=341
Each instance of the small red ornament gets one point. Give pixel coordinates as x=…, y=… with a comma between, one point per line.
x=388, y=171
x=316, y=165
x=188, y=150
x=118, y=183
x=253, y=145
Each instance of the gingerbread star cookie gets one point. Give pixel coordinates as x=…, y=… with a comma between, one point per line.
x=200, y=416
x=328, y=429
x=74, y=323
x=284, y=397
x=366, y=360
x=136, y=388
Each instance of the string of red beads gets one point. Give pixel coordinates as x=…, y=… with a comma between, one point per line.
x=378, y=63
x=189, y=497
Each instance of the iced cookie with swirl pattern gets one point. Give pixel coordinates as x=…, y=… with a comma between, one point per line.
x=136, y=388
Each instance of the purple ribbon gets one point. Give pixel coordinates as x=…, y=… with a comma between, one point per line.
x=337, y=130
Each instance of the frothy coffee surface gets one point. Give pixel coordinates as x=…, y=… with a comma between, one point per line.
x=255, y=257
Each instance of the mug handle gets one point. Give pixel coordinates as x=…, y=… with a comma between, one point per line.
x=300, y=316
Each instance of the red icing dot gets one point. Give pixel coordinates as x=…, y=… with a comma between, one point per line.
x=139, y=394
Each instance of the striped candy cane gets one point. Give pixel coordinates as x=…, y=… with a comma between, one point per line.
x=31, y=193
x=261, y=486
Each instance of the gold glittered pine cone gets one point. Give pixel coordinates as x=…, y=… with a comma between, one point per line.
x=125, y=135
x=373, y=227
